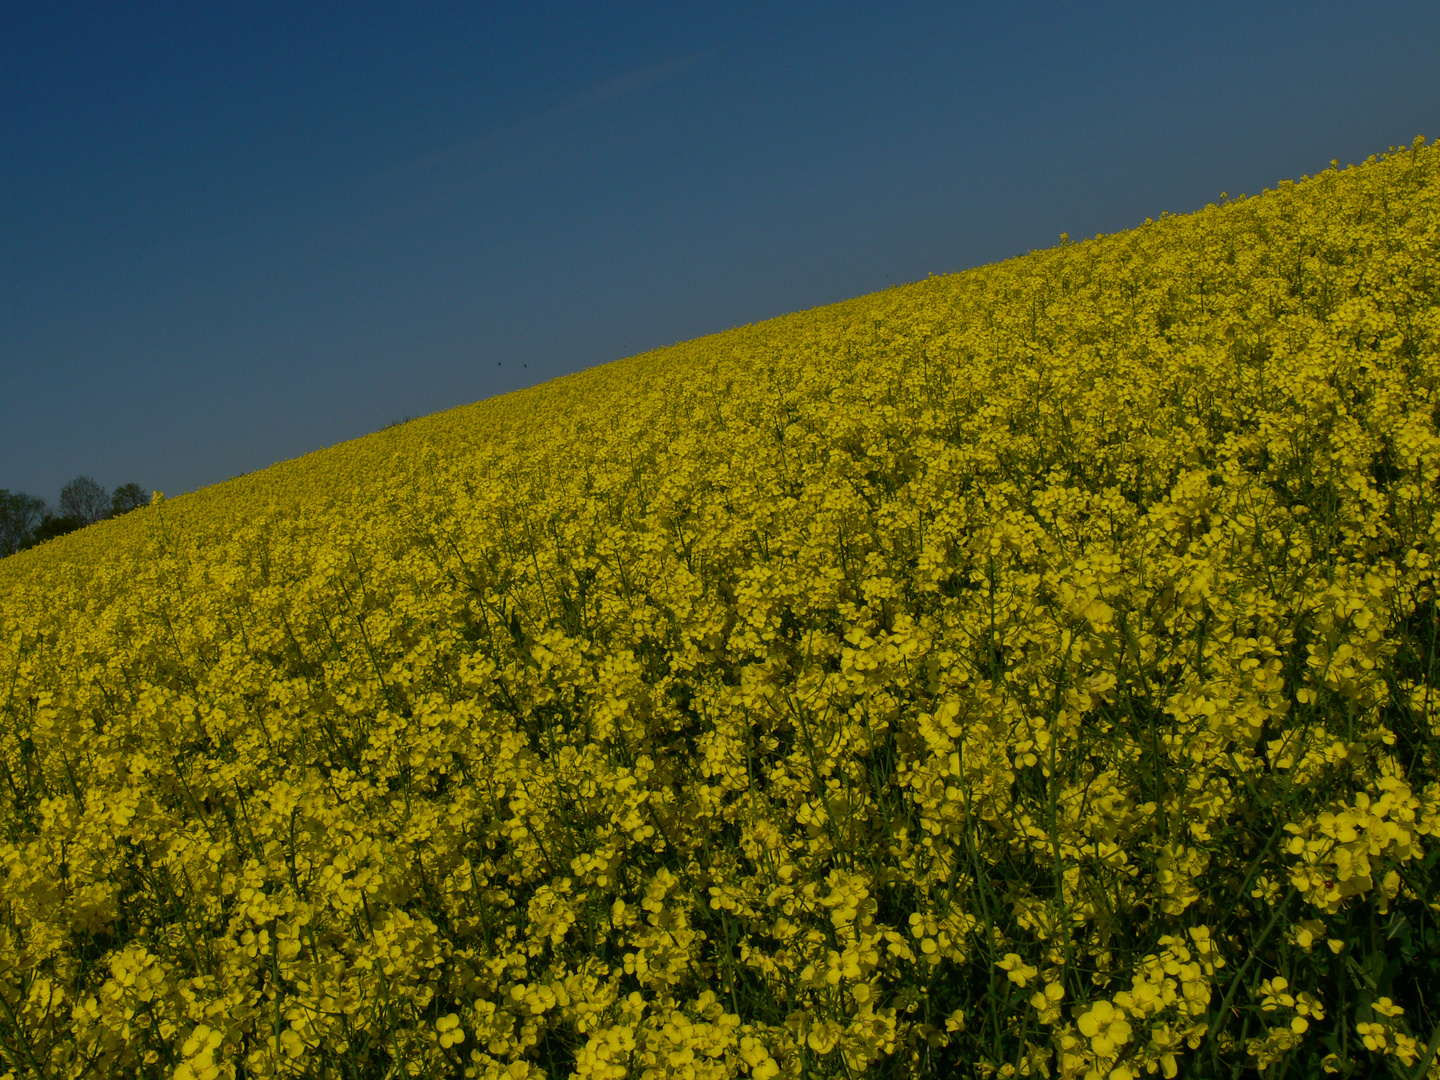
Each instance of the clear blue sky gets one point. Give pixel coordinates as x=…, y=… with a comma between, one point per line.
x=232, y=233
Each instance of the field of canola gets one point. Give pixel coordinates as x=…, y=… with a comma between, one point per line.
x=1025, y=672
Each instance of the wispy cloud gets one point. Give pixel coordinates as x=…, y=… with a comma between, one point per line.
x=614, y=88
x=446, y=172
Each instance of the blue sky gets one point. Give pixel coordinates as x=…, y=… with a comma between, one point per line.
x=233, y=233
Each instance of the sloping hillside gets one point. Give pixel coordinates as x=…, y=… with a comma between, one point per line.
x=1028, y=671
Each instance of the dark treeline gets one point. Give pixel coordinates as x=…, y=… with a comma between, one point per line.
x=27, y=520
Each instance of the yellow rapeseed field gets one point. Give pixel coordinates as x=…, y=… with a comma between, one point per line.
x=1024, y=672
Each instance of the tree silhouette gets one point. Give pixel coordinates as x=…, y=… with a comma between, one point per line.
x=26, y=521
x=85, y=500
x=19, y=515
x=127, y=497
x=53, y=526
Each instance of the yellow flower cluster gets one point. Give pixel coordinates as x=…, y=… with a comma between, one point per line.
x=1381, y=1037
x=1018, y=673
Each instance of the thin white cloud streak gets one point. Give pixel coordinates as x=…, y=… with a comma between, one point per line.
x=447, y=172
